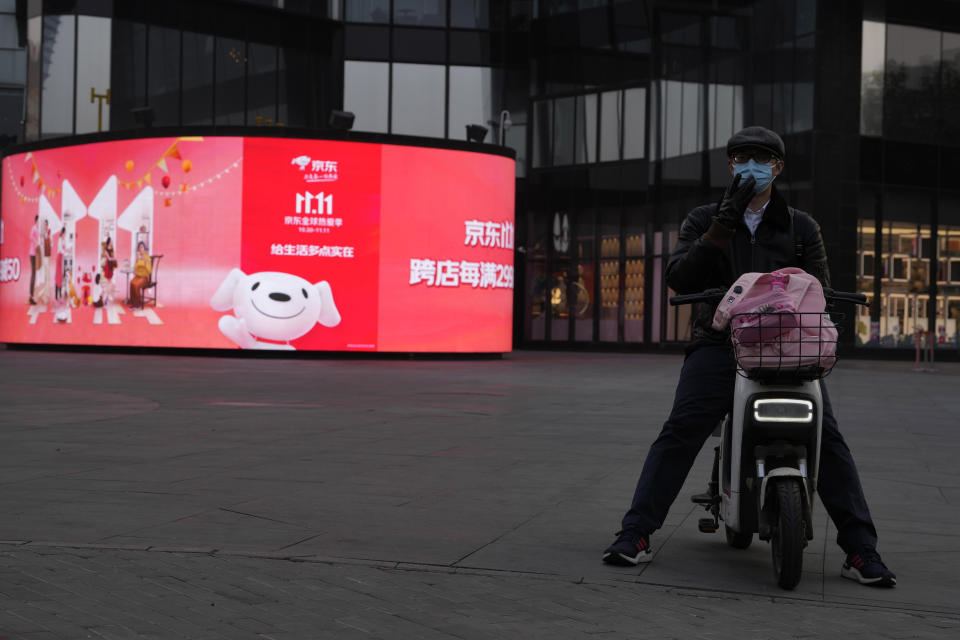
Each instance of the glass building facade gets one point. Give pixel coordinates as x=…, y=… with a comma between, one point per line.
x=618, y=110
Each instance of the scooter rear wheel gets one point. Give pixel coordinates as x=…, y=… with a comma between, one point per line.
x=737, y=539
x=788, y=536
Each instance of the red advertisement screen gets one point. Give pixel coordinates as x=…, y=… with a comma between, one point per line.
x=258, y=243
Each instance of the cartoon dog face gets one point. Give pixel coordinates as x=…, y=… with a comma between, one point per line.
x=301, y=161
x=276, y=306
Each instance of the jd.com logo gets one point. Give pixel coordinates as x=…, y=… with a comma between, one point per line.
x=316, y=170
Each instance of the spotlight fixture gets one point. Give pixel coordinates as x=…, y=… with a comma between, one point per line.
x=341, y=120
x=476, y=133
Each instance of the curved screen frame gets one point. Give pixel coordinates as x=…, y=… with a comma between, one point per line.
x=408, y=297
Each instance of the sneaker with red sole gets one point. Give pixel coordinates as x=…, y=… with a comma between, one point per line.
x=631, y=548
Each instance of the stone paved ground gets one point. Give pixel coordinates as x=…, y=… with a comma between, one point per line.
x=191, y=497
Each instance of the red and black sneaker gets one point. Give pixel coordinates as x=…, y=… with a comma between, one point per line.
x=866, y=567
x=631, y=548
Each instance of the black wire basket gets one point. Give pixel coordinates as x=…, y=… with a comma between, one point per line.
x=794, y=345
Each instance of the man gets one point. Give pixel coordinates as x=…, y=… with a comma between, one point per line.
x=751, y=229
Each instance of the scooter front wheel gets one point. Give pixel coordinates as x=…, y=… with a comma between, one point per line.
x=788, y=535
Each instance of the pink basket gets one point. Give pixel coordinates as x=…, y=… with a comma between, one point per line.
x=798, y=344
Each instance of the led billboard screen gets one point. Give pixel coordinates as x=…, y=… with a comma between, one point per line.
x=258, y=243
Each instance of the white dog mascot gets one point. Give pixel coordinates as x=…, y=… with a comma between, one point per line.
x=274, y=307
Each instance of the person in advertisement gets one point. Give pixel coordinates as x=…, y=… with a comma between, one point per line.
x=751, y=229
x=36, y=254
x=141, y=275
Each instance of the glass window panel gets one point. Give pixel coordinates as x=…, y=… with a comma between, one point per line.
x=34, y=40
x=367, y=42
x=128, y=73
x=198, y=78
x=58, y=85
x=93, y=73
x=586, y=142
x=535, y=318
x=367, y=10
x=563, y=130
x=471, y=14
x=671, y=113
x=473, y=100
x=230, y=63
x=872, y=56
x=163, y=75
x=583, y=290
x=542, y=133
x=366, y=93
x=911, y=83
x=950, y=80
x=721, y=116
x=611, y=125
x=609, y=273
x=8, y=5
x=419, y=45
x=261, y=84
x=471, y=47
x=635, y=123
x=418, y=100
x=13, y=66
x=690, y=135
x=8, y=30
x=11, y=106
x=431, y=13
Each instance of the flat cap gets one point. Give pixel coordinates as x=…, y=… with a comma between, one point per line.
x=756, y=137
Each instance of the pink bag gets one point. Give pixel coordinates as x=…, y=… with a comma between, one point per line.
x=777, y=321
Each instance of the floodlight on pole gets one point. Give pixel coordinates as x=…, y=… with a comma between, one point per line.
x=476, y=133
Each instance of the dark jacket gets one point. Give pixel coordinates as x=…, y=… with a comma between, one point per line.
x=786, y=237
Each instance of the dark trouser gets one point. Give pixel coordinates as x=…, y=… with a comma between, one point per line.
x=704, y=395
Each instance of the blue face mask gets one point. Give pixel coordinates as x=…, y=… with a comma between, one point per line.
x=762, y=173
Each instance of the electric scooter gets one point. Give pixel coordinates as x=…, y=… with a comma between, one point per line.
x=765, y=468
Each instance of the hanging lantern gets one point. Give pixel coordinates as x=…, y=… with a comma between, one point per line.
x=165, y=182
x=166, y=202
x=186, y=166
x=129, y=165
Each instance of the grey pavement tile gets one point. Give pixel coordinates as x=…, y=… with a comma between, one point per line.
x=521, y=466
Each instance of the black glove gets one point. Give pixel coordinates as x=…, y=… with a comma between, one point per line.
x=735, y=200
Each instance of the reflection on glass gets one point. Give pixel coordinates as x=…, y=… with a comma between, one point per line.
x=261, y=84
x=563, y=131
x=93, y=74
x=472, y=101
x=367, y=10
x=586, y=142
x=366, y=93
x=57, y=91
x=911, y=83
x=230, y=61
x=431, y=13
x=163, y=73
x=611, y=123
x=418, y=99
x=634, y=123
x=470, y=14
x=198, y=78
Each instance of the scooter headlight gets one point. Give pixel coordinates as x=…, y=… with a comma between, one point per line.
x=782, y=410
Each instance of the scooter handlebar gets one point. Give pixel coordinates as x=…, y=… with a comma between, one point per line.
x=709, y=295
x=714, y=295
x=846, y=296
